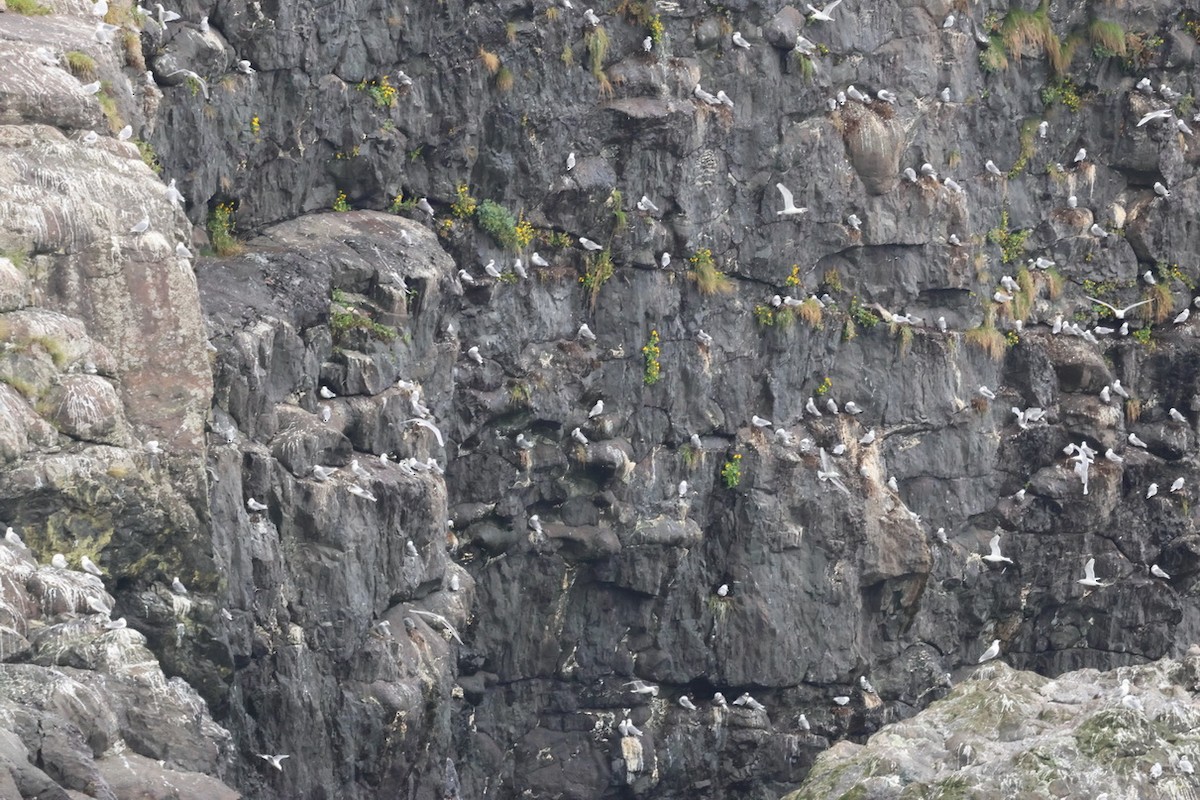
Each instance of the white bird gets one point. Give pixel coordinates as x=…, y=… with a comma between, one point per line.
x=856, y=95
x=665, y=260
x=89, y=566
x=910, y=174
x=627, y=728
x=588, y=244
x=892, y=484
x=597, y=410
x=58, y=561
x=358, y=470
x=886, y=96
x=116, y=624
x=423, y=204
x=987, y=393
x=537, y=260
x=1176, y=485
x=952, y=185
x=492, y=272
x=1148, y=277
x=759, y=422
x=181, y=251
x=173, y=194
x=1144, y=85
x=141, y=226
x=749, y=702
x=1156, y=771
x=90, y=138
x=254, y=505
x=941, y=323
x=1112, y=456
x=104, y=32
x=1182, y=316
x=992, y=652
x=703, y=338
x=868, y=437
x=177, y=586
x=570, y=161
x=865, y=684
x=14, y=538
x=1162, y=113
x=1002, y=297
x=125, y=133
x=740, y=41
x=473, y=354
x=90, y=88
x=1042, y=262
x=359, y=491
x=683, y=488
x=326, y=392
x=243, y=66
x=1184, y=765
x=591, y=18
x=585, y=333
x=648, y=44
x=642, y=687
x=1119, y=313
x=1175, y=415
x=854, y=222
x=466, y=277
x=928, y=171
x=1072, y=201
x=803, y=724
x=945, y=95
x=723, y=590
x=1136, y=442
x=723, y=98
x=323, y=473
x=831, y=405
x=841, y=699
x=822, y=14
x=991, y=167
x=646, y=204
x=705, y=97
x=686, y=702
x=994, y=556
x=523, y=443
x=1081, y=155
x=578, y=436
x=274, y=759
x=948, y=22
x=1089, y=575
x=325, y=414
x=1182, y=127
x=1161, y=190
x=790, y=209
x=165, y=16
x=852, y=408
x=1159, y=572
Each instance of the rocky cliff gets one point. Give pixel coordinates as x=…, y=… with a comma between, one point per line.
x=514, y=400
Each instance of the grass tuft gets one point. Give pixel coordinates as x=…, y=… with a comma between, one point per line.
x=597, y=46
x=491, y=61
x=1161, y=302
x=30, y=8
x=504, y=79
x=81, y=65
x=709, y=280
x=1108, y=35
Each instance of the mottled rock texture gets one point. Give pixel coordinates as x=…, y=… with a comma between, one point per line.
x=577, y=563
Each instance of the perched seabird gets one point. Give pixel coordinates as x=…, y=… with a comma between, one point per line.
x=987, y=393
x=992, y=652
x=58, y=561
x=523, y=443
x=1182, y=316
x=789, y=206
x=423, y=204
x=492, y=272
x=647, y=205
x=831, y=405
x=359, y=491
x=686, y=702
x=703, y=338
x=325, y=413
x=852, y=408
x=585, y=333
x=1159, y=572
x=326, y=392
x=740, y=41
x=243, y=66
x=1112, y=456
x=1175, y=415
x=948, y=22
x=466, y=278
x=322, y=473
x=1081, y=155
x=695, y=442
x=254, y=505
x=1089, y=575
x=865, y=685
x=537, y=260
x=648, y=44
x=578, y=436
x=723, y=590
x=173, y=194
x=1176, y=485
x=759, y=422
x=90, y=567
x=945, y=95
x=749, y=702
x=1161, y=190
x=588, y=244
x=994, y=556
x=597, y=410
x=570, y=161
x=177, y=586
x=14, y=538
x=627, y=728
x=854, y=222
x=591, y=18
x=141, y=226
x=991, y=167
x=842, y=699
x=181, y=251
x=868, y=437
x=1136, y=442
x=665, y=260
x=473, y=354
x=104, y=32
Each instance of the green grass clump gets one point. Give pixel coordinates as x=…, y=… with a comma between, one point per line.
x=220, y=230
x=987, y=337
x=81, y=65
x=598, y=268
x=709, y=280
x=1108, y=38
x=1011, y=242
x=597, y=46
x=499, y=222
x=30, y=8
x=344, y=319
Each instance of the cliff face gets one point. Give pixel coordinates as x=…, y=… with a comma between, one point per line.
x=528, y=573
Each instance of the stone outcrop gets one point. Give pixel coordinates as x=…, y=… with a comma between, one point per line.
x=416, y=562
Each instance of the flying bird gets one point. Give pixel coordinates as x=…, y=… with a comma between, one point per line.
x=275, y=760
x=789, y=205
x=994, y=556
x=822, y=14
x=1119, y=313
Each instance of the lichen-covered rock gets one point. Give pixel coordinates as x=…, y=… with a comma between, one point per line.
x=86, y=407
